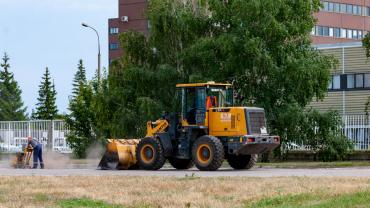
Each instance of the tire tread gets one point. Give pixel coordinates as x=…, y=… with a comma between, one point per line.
x=160, y=158
x=219, y=154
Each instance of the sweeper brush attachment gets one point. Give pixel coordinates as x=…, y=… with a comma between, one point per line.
x=120, y=155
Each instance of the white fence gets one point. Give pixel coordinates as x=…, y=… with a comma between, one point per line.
x=51, y=134
x=356, y=128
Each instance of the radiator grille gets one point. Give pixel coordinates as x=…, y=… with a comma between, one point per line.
x=256, y=122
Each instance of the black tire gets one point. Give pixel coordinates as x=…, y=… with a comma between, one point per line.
x=242, y=161
x=208, y=153
x=149, y=154
x=181, y=164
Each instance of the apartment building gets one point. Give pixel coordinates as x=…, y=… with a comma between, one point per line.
x=131, y=16
x=341, y=21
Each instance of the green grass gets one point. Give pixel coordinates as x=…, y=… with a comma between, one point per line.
x=342, y=164
x=85, y=203
x=360, y=199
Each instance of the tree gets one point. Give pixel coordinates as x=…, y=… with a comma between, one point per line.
x=46, y=108
x=262, y=46
x=81, y=118
x=366, y=45
x=79, y=79
x=80, y=122
x=11, y=104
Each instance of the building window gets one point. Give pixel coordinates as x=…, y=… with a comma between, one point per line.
x=320, y=31
x=330, y=86
x=331, y=7
x=325, y=31
x=343, y=33
x=358, y=34
x=367, y=11
x=113, y=46
x=336, y=7
x=350, y=81
x=355, y=10
x=113, y=30
x=354, y=34
x=326, y=6
x=349, y=33
x=358, y=10
x=336, y=82
x=331, y=32
x=349, y=9
x=337, y=32
x=344, y=8
x=359, y=80
x=367, y=80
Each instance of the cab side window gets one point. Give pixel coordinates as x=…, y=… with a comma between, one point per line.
x=190, y=105
x=195, y=105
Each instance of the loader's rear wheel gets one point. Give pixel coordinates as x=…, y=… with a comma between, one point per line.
x=208, y=153
x=242, y=161
x=181, y=164
x=149, y=154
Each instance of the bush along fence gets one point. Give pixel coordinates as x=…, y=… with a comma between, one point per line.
x=355, y=127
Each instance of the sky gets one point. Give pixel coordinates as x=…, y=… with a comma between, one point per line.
x=47, y=33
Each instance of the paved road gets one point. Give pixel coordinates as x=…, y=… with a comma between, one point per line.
x=167, y=172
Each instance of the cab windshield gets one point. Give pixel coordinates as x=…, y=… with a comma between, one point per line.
x=219, y=97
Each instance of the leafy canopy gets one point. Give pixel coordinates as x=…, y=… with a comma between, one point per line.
x=261, y=46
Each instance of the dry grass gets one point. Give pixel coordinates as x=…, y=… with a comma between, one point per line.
x=166, y=192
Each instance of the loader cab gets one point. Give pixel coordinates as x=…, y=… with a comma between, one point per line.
x=197, y=99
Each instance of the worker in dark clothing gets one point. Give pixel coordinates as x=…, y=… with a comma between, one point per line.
x=37, y=152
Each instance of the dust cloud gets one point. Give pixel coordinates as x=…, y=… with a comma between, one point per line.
x=56, y=160
x=94, y=154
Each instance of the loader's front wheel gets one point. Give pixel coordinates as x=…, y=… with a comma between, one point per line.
x=242, y=161
x=181, y=164
x=149, y=154
x=208, y=153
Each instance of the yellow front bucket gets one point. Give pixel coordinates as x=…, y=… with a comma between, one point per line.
x=120, y=154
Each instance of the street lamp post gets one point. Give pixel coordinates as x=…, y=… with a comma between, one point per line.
x=99, y=55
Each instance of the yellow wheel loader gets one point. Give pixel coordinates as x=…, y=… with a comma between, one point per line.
x=206, y=130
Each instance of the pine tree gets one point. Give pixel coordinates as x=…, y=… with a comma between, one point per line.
x=80, y=120
x=11, y=104
x=79, y=79
x=46, y=108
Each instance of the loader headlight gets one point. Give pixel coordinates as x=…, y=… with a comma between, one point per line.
x=277, y=139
